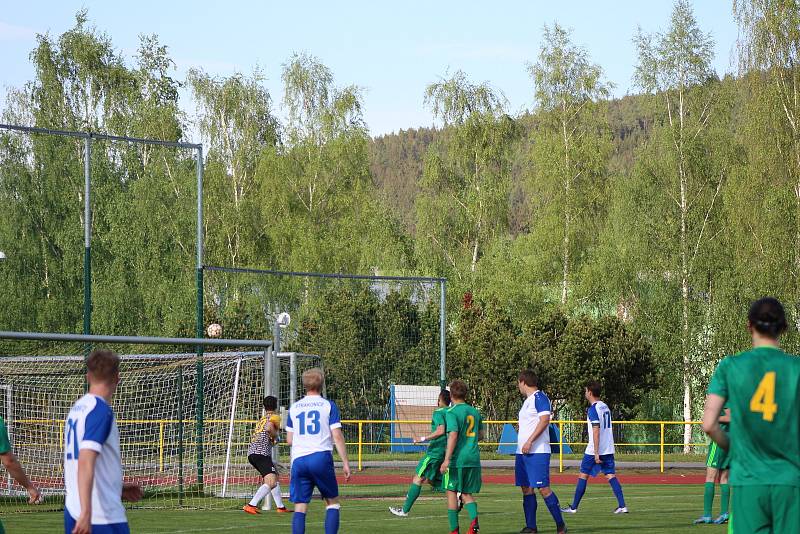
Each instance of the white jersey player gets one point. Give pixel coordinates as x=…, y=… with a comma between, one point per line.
x=92, y=462
x=313, y=427
x=599, y=454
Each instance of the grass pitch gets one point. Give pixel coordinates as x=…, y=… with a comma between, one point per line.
x=656, y=509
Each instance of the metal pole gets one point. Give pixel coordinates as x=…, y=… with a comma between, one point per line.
x=180, y=435
x=442, y=337
x=276, y=347
x=292, y=378
x=87, y=236
x=200, y=378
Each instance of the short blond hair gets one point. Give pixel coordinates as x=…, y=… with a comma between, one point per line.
x=313, y=379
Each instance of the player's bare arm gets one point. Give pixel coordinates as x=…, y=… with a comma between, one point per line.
x=341, y=448
x=452, y=438
x=544, y=422
x=711, y=418
x=596, y=437
x=14, y=468
x=725, y=417
x=86, y=464
x=436, y=434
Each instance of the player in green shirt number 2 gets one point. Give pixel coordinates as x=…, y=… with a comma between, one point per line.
x=761, y=388
x=464, y=430
x=14, y=468
x=428, y=467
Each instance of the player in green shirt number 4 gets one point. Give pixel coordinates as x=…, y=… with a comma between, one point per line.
x=761, y=388
x=464, y=430
x=14, y=468
x=428, y=467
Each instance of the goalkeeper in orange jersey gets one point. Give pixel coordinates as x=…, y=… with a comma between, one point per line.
x=259, y=454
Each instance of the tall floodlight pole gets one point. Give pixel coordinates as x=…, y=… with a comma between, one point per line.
x=199, y=280
x=87, y=236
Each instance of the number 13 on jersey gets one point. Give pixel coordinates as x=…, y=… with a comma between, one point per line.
x=763, y=399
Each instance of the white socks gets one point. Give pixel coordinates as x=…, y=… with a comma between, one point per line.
x=276, y=496
x=260, y=494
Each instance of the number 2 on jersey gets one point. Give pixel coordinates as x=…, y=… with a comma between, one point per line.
x=470, y=426
x=764, y=398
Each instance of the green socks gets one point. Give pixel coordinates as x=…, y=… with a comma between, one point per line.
x=472, y=509
x=708, y=499
x=411, y=496
x=452, y=516
x=724, y=498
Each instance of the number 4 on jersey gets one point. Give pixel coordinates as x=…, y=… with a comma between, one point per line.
x=764, y=398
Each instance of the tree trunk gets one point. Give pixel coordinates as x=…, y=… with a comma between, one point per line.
x=685, y=340
x=567, y=209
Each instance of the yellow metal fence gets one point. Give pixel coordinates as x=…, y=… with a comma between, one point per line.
x=358, y=425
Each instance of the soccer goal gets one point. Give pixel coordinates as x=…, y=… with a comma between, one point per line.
x=184, y=411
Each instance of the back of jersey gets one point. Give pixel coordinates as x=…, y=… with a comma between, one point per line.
x=762, y=386
x=91, y=425
x=310, y=422
x=599, y=415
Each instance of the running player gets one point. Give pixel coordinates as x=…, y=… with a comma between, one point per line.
x=428, y=467
x=92, y=463
x=761, y=387
x=718, y=463
x=532, y=465
x=14, y=468
x=599, y=454
x=464, y=429
x=313, y=427
x=259, y=454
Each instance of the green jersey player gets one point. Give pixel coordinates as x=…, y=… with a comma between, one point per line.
x=761, y=387
x=464, y=429
x=718, y=463
x=428, y=467
x=13, y=467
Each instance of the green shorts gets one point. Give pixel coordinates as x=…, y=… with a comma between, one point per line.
x=718, y=458
x=764, y=509
x=428, y=469
x=463, y=479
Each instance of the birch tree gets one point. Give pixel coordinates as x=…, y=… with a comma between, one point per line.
x=670, y=64
x=465, y=184
x=571, y=143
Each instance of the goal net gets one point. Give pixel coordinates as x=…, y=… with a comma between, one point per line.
x=184, y=420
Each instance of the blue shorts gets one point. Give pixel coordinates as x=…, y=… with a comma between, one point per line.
x=606, y=465
x=112, y=528
x=309, y=471
x=532, y=470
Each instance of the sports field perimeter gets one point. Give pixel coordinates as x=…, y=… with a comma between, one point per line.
x=655, y=509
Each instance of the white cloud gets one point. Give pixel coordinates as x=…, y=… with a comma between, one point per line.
x=10, y=32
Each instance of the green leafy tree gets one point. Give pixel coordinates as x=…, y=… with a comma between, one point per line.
x=571, y=146
x=670, y=64
x=465, y=184
x=605, y=350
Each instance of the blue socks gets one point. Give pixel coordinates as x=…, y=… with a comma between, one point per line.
x=552, y=504
x=617, y=487
x=332, y=519
x=580, y=489
x=298, y=523
x=529, y=507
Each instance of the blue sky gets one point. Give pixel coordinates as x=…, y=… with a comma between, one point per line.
x=391, y=49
